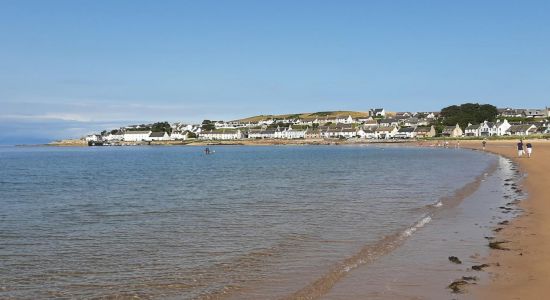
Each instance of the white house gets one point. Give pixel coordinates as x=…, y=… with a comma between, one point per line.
x=366, y=133
x=363, y=118
x=337, y=132
x=93, y=138
x=136, y=136
x=159, y=136
x=370, y=124
x=389, y=122
x=522, y=130
x=378, y=112
x=487, y=129
x=294, y=133
x=117, y=136
x=344, y=119
x=501, y=127
x=221, y=134
x=387, y=132
x=472, y=130
x=179, y=135
x=308, y=121
x=510, y=112
x=493, y=129
x=261, y=134
x=405, y=133
x=266, y=122
x=532, y=113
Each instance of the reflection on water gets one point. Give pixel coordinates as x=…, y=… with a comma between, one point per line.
x=170, y=222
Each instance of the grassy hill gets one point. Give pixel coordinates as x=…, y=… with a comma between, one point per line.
x=323, y=114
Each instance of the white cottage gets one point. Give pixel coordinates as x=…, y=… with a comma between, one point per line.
x=366, y=133
x=385, y=132
x=338, y=132
x=522, y=130
x=472, y=130
x=405, y=133
x=294, y=133
x=93, y=138
x=159, y=136
x=179, y=135
x=261, y=134
x=501, y=127
x=221, y=134
x=136, y=136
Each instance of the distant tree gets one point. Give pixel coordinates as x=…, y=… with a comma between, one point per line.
x=474, y=113
x=104, y=133
x=208, y=125
x=161, y=127
x=191, y=135
x=114, y=131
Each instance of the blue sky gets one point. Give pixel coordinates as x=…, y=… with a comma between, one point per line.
x=68, y=68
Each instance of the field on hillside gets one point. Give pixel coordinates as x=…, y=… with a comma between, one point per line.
x=322, y=114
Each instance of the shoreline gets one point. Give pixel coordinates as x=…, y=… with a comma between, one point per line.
x=523, y=271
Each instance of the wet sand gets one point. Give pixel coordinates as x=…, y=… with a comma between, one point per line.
x=523, y=272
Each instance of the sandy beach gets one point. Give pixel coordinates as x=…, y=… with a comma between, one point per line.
x=523, y=272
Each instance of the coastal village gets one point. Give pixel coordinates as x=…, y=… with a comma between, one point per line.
x=376, y=124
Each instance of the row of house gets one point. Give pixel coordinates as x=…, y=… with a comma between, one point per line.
x=342, y=130
x=524, y=112
x=137, y=136
x=501, y=128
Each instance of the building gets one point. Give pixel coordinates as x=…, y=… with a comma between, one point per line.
x=93, y=138
x=472, y=130
x=424, y=131
x=501, y=127
x=261, y=133
x=522, y=130
x=136, y=136
x=405, y=133
x=339, y=132
x=385, y=133
x=378, y=112
x=179, y=135
x=221, y=134
x=367, y=133
x=388, y=122
x=364, y=118
x=341, y=119
x=510, y=112
x=292, y=134
x=159, y=136
x=452, y=131
x=114, y=136
x=313, y=134
x=535, y=113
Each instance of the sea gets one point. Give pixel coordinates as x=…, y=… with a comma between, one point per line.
x=247, y=222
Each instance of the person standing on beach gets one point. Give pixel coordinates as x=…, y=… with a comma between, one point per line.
x=529, y=149
x=484, y=143
x=520, y=148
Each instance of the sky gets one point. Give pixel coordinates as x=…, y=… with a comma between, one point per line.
x=68, y=68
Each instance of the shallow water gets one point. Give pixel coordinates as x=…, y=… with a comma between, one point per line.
x=246, y=222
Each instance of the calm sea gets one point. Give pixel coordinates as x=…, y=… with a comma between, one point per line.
x=244, y=222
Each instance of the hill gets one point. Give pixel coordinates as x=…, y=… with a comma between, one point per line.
x=328, y=114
